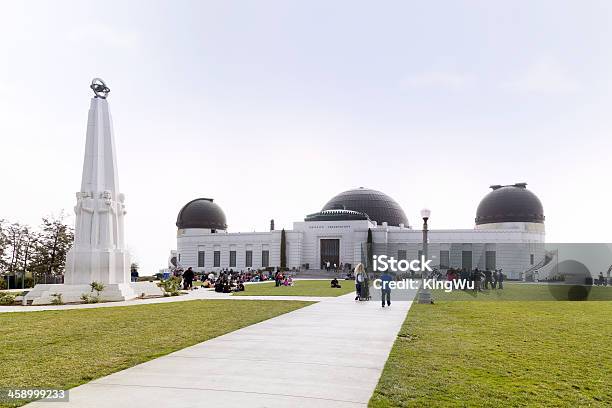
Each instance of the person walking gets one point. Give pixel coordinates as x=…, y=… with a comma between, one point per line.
x=488, y=281
x=359, y=279
x=500, y=279
x=188, y=279
x=477, y=277
x=385, y=288
x=134, y=274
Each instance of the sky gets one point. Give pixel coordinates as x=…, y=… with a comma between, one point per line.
x=273, y=107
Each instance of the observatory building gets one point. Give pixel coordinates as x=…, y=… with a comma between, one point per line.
x=508, y=234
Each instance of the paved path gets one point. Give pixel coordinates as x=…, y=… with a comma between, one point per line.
x=192, y=295
x=329, y=354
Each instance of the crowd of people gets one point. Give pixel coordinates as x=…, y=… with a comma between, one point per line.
x=485, y=279
x=280, y=279
x=228, y=280
x=332, y=266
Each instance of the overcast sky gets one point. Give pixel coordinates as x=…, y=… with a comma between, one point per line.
x=273, y=107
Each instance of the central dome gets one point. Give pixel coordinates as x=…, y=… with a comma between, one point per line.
x=378, y=206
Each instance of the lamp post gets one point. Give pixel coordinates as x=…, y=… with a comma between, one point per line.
x=425, y=294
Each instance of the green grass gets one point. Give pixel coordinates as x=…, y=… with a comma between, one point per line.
x=299, y=288
x=62, y=349
x=492, y=354
x=519, y=291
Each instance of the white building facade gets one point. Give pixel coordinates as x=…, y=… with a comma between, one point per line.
x=509, y=235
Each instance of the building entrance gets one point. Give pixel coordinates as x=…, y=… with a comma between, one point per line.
x=330, y=251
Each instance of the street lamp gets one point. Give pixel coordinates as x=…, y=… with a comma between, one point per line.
x=425, y=294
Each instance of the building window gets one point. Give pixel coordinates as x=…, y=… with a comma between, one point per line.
x=531, y=260
x=401, y=254
x=419, y=254
x=444, y=259
x=179, y=257
x=249, y=259
x=217, y=259
x=232, y=259
x=466, y=260
x=490, y=263
x=265, y=259
x=201, y=259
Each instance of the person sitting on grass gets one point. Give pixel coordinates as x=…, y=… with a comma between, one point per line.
x=335, y=283
x=288, y=281
x=227, y=286
x=219, y=286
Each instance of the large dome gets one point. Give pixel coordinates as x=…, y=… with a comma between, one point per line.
x=201, y=213
x=378, y=206
x=512, y=203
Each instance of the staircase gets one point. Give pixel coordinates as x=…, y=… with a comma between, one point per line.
x=318, y=274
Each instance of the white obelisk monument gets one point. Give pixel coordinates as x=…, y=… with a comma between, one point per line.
x=98, y=253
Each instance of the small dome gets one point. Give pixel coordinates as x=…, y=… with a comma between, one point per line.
x=512, y=203
x=201, y=213
x=378, y=206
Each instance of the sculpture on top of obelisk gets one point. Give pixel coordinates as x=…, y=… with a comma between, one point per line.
x=99, y=252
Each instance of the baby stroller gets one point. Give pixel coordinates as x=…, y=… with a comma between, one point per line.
x=364, y=289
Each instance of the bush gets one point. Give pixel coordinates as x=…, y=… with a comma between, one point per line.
x=7, y=299
x=57, y=299
x=171, y=286
x=3, y=284
x=89, y=298
x=29, y=282
x=97, y=286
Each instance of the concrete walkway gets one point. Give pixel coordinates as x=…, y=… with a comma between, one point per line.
x=329, y=354
x=192, y=295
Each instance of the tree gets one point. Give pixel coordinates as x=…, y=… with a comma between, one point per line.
x=370, y=244
x=17, y=236
x=283, y=251
x=3, y=247
x=30, y=242
x=53, y=243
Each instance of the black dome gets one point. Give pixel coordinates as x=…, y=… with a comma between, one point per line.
x=378, y=206
x=201, y=213
x=510, y=204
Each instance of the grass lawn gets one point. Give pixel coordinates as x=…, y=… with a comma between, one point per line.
x=519, y=291
x=299, y=288
x=470, y=353
x=62, y=349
